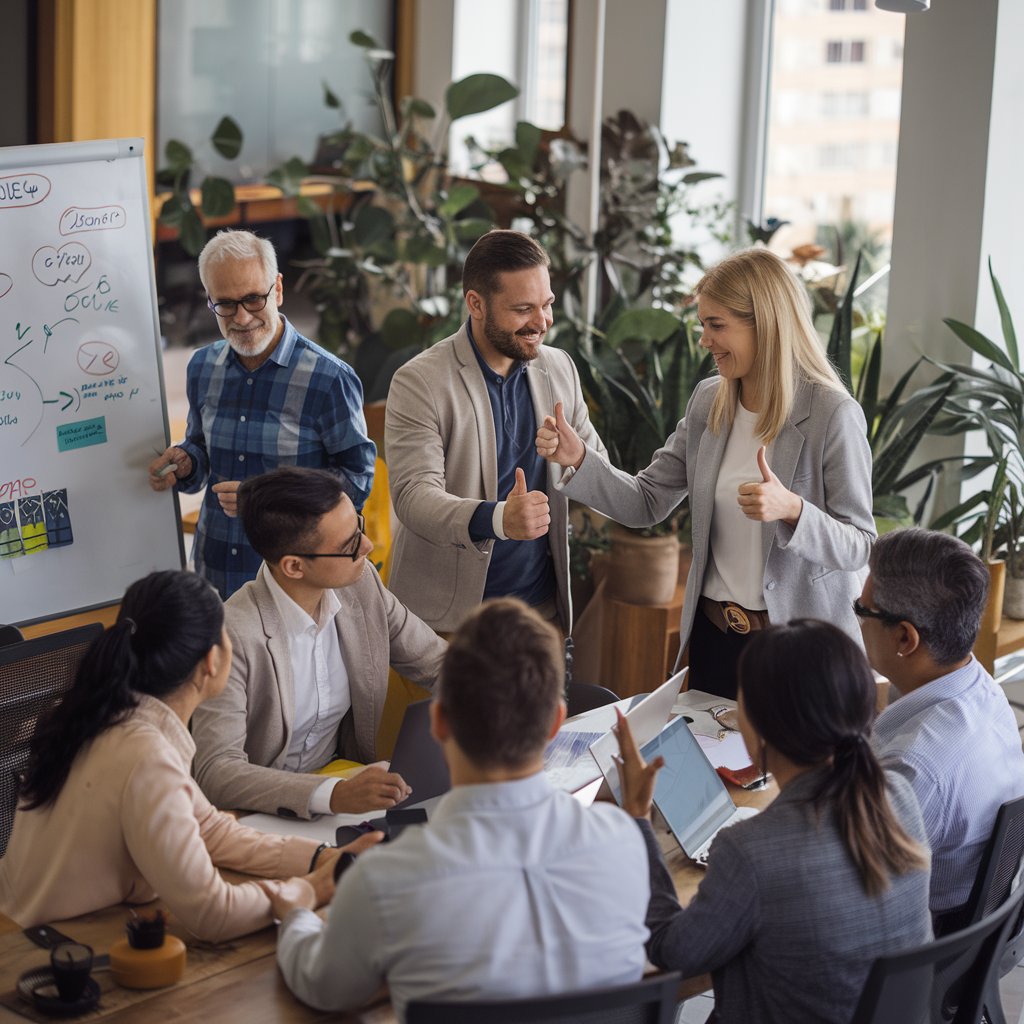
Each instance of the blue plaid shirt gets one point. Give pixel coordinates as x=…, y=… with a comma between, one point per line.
x=302, y=407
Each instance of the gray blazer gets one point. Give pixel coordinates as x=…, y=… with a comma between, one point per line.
x=781, y=919
x=815, y=569
x=440, y=452
x=242, y=736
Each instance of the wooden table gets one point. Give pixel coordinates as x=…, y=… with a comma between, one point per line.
x=238, y=982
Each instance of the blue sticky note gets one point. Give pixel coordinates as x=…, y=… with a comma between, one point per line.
x=81, y=434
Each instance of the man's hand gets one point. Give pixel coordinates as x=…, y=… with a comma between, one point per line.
x=372, y=789
x=167, y=469
x=227, y=495
x=766, y=499
x=636, y=777
x=558, y=442
x=526, y=515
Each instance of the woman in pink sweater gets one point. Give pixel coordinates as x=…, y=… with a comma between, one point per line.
x=109, y=812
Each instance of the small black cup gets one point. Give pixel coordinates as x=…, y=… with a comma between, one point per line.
x=71, y=963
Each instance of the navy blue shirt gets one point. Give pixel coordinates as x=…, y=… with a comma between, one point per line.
x=518, y=568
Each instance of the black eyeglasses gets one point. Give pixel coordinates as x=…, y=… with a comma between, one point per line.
x=229, y=307
x=863, y=612
x=356, y=545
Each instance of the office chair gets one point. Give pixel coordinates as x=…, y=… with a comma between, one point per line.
x=33, y=676
x=914, y=987
x=10, y=635
x=650, y=1001
x=582, y=697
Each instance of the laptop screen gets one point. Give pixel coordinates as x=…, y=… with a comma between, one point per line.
x=691, y=797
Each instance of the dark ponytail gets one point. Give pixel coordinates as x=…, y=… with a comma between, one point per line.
x=167, y=623
x=809, y=692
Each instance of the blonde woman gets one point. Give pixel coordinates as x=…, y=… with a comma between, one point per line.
x=774, y=456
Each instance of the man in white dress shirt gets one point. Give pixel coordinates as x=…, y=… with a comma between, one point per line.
x=314, y=636
x=513, y=888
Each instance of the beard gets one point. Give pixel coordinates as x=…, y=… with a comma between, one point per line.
x=254, y=340
x=510, y=343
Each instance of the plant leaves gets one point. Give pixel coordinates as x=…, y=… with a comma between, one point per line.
x=227, y=138
x=414, y=107
x=330, y=99
x=400, y=328
x=650, y=325
x=178, y=155
x=471, y=228
x=192, y=233
x=459, y=197
x=367, y=42
x=527, y=141
x=372, y=226
x=477, y=93
x=977, y=342
x=218, y=197
x=1009, y=334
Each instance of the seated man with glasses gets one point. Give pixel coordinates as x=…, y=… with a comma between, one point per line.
x=313, y=635
x=263, y=397
x=951, y=733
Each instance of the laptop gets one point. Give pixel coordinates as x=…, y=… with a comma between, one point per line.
x=418, y=757
x=689, y=794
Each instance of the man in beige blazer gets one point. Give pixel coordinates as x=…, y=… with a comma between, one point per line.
x=478, y=512
x=313, y=635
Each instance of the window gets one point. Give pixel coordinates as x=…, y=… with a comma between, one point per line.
x=847, y=5
x=844, y=51
x=844, y=104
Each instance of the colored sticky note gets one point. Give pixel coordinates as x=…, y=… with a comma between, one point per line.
x=82, y=434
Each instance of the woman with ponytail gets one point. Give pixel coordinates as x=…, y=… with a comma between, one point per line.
x=109, y=812
x=799, y=900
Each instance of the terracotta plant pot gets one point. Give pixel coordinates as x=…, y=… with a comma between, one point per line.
x=642, y=570
x=1013, y=597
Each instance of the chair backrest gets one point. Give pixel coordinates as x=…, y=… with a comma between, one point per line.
x=33, y=676
x=10, y=635
x=586, y=696
x=913, y=987
x=999, y=864
x=650, y=1001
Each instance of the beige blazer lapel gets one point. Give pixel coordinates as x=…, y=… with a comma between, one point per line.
x=542, y=394
x=359, y=653
x=281, y=659
x=483, y=437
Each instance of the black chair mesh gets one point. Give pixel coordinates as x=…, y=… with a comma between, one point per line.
x=34, y=674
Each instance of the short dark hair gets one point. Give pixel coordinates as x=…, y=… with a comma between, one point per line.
x=501, y=682
x=495, y=253
x=281, y=510
x=934, y=581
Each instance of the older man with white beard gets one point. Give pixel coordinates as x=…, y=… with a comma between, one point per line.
x=263, y=397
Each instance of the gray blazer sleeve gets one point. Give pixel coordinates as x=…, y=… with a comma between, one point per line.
x=720, y=921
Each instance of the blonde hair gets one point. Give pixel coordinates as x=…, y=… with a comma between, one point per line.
x=237, y=245
x=756, y=286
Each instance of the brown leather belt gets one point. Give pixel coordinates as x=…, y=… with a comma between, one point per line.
x=727, y=616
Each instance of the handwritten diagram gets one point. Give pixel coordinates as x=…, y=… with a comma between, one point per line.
x=55, y=266
x=35, y=523
x=6, y=284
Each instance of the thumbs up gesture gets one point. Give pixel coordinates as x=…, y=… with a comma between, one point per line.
x=766, y=499
x=558, y=442
x=526, y=515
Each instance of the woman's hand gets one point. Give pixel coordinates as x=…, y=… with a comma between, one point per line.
x=636, y=777
x=317, y=888
x=766, y=500
x=558, y=442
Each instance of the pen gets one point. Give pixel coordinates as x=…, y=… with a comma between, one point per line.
x=164, y=470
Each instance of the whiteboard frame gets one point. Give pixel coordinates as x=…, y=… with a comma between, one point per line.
x=82, y=152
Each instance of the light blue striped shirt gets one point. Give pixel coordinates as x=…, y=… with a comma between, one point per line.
x=956, y=742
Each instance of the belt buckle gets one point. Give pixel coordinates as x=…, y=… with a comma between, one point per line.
x=735, y=618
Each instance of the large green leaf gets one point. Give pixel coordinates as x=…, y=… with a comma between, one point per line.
x=459, y=197
x=192, y=233
x=330, y=99
x=367, y=42
x=178, y=155
x=1009, y=334
x=399, y=329
x=372, y=226
x=477, y=93
x=288, y=177
x=650, y=325
x=218, y=197
x=977, y=342
x=527, y=141
x=227, y=138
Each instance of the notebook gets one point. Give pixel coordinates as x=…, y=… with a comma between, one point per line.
x=689, y=794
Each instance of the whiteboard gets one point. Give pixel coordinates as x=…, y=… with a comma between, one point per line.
x=82, y=409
